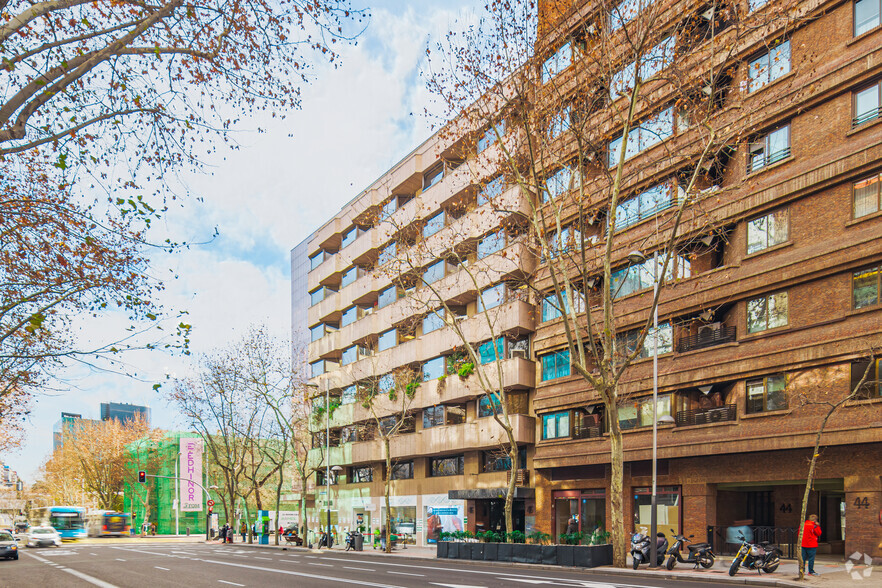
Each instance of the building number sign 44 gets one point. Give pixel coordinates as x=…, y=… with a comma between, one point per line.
x=862, y=502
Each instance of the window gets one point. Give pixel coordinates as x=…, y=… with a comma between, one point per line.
x=868, y=196
x=658, y=58
x=766, y=394
x=435, y=416
x=434, y=272
x=866, y=15
x=642, y=275
x=490, y=135
x=317, y=332
x=433, y=369
x=638, y=412
x=349, y=276
x=487, y=353
x=556, y=425
x=433, y=176
x=387, y=254
x=647, y=204
x=558, y=183
x=387, y=340
x=387, y=296
x=865, y=287
x=559, y=61
x=625, y=12
x=361, y=475
x=492, y=189
x=560, y=122
x=317, y=368
x=756, y=4
x=349, y=316
x=767, y=312
x=447, y=466
x=316, y=260
x=568, y=240
x=627, y=342
x=490, y=244
x=316, y=296
x=769, y=66
x=488, y=405
x=768, y=231
x=348, y=237
x=348, y=434
x=350, y=354
x=555, y=365
x=871, y=388
x=433, y=321
x=402, y=471
x=349, y=395
x=491, y=297
x=768, y=149
x=434, y=224
x=551, y=309
x=501, y=462
x=648, y=133
x=320, y=479
x=867, y=103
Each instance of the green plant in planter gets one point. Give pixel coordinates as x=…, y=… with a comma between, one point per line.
x=516, y=537
x=465, y=370
x=539, y=537
x=598, y=537
x=570, y=538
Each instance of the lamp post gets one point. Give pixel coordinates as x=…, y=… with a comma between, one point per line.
x=336, y=469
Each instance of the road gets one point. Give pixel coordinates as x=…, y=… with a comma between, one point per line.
x=197, y=565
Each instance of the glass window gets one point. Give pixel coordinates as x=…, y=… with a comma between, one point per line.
x=389, y=208
x=769, y=66
x=555, y=365
x=568, y=240
x=871, y=375
x=625, y=12
x=501, y=462
x=556, y=425
x=349, y=276
x=560, y=122
x=387, y=254
x=558, y=183
x=317, y=332
x=867, y=196
x=658, y=58
x=491, y=297
x=490, y=135
x=433, y=416
x=487, y=353
x=866, y=287
x=767, y=394
x=433, y=321
x=349, y=395
x=488, y=405
x=648, y=133
x=559, y=61
x=768, y=149
x=433, y=369
x=361, y=475
x=491, y=244
x=640, y=276
x=446, y=466
x=667, y=509
x=434, y=224
x=317, y=368
x=755, y=4
x=387, y=296
x=387, y=340
x=316, y=296
x=349, y=316
x=491, y=190
x=627, y=342
x=866, y=15
x=455, y=414
x=348, y=237
x=433, y=176
x=350, y=354
x=768, y=231
x=434, y=272
x=550, y=308
x=402, y=471
x=316, y=260
x=647, y=204
x=767, y=312
x=867, y=103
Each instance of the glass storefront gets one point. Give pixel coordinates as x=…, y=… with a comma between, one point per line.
x=403, y=523
x=588, y=507
x=668, y=517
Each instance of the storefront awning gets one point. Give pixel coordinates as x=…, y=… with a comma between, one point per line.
x=489, y=493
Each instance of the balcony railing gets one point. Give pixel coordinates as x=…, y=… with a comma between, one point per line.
x=706, y=338
x=522, y=477
x=705, y=416
x=587, y=431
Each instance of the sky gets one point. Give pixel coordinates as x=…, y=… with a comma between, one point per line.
x=264, y=197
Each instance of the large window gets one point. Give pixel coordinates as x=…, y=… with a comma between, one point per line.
x=434, y=224
x=361, y=475
x=640, y=276
x=497, y=461
x=868, y=196
x=491, y=243
x=488, y=354
x=387, y=254
x=433, y=321
x=317, y=332
x=490, y=135
x=767, y=312
x=555, y=365
x=349, y=276
x=867, y=104
x=558, y=183
x=865, y=287
x=349, y=395
x=316, y=368
x=556, y=425
x=402, y=471
x=387, y=340
x=569, y=239
x=317, y=259
x=647, y=204
x=435, y=416
x=433, y=369
x=433, y=176
x=768, y=149
x=625, y=12
x=491, y=297
x=348, y=237
x=767, y=394
x=491, y=190
x=658, y=58
x=317, y=296
x=872, y=369
x=447, y=466
x=387, y=296
x=434, y=272
x=627, y=341
x=350, y=354
x=638, y=412
x=866, y=15
x=768, y=231
x=551, y=308
x=488, y=405
x=650, y=132
x=350, y=315
x=770, y=66
x=560, y=122
x=557, y=62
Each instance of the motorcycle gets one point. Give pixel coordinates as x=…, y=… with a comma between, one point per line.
x=350, y=540
x=761, y=557
x=324, y=541
x=699, y=553
x=641, y=549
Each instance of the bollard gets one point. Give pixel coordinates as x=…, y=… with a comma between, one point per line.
x=188, y=531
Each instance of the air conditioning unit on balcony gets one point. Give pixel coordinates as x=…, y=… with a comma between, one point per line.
x=522, y=353
x=708, y=331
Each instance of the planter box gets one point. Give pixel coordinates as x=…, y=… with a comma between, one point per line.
x=582, y=556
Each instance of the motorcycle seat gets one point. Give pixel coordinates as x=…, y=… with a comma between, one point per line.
x=698, y=546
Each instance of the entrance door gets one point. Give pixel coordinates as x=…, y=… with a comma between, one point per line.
x=761, y=508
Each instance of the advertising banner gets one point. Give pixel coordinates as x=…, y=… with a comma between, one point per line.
x=442, y=519
x=191, y=469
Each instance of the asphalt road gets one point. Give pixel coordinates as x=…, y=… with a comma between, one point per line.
x=197, y=565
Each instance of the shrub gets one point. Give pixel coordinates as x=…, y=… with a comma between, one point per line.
x=516, y=537
x=539, y=537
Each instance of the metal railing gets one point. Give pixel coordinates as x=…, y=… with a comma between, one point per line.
x=719, y=414
x=724, y=542
x=758, y=162
x=706, y=338
x=866, y=116
x=587, y=431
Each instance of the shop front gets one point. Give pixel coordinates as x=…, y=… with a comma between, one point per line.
x=587, y=508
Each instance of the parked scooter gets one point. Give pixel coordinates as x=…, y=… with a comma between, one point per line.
x=324, y=539
x=761, y=557
x=350, y=540
x=641, y=549
x=700, y=554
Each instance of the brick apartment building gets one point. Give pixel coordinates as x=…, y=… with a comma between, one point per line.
x=788, y=307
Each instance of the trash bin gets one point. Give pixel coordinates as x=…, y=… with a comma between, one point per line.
x=359, y=542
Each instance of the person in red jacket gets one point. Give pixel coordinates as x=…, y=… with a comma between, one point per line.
x=810, y=535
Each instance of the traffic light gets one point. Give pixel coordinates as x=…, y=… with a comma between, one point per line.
x=142, y=477
x=210, y=509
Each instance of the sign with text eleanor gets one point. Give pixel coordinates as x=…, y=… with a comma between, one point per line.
x=191, y=469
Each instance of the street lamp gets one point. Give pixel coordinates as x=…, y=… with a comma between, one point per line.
x=336, y=469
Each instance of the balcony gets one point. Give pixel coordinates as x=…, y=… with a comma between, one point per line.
x=704, y=416
x=706, y=337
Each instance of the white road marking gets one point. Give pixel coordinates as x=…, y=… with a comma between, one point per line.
x=359, y=569
x=266, y=558
x=118, y=559
x=524, y=580
x=80, y=575
x=230, y=583
x=163, y=569
x=407, y=574
x=455, y=585
x=312, y=563
x=300, y=574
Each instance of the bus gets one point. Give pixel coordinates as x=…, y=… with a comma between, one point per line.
x=109, y=523
x=69, y=521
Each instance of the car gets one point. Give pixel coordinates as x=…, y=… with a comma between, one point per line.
x=43, y=536
x=8, y=545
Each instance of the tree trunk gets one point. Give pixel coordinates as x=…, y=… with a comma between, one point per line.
x=388, y=489
x=617, y=530
x=304, y=523
x=512, y=482
x=278, y=504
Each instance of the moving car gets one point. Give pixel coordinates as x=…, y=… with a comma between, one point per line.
x=8, y=545
x=43, y=536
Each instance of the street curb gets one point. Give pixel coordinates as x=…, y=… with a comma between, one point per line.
x=743, y=580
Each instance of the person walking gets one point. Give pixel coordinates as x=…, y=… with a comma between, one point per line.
x=223, y=533
x=810, y=535
x=243, y=530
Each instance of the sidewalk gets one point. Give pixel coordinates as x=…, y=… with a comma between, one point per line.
x=832, y=569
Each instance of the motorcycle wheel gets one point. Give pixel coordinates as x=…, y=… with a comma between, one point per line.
x=671, y=562
x=707, y=561
x=733, y=569
x=772, y=566
x=636, y=562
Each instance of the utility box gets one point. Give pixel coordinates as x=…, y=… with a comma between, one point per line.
x=359, y=542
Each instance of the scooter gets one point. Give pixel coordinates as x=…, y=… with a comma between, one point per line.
x=350, y=540
x=699, y=553
x=641, y=549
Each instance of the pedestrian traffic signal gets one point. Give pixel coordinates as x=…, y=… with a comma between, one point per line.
x=210, y=509
x=142, y=476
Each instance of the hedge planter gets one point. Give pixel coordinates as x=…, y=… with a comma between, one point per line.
x=582, y=556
